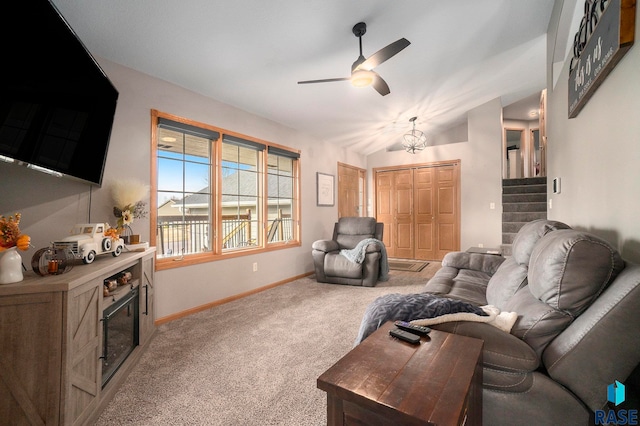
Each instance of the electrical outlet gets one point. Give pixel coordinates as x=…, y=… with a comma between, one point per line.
x=492, y=206
x=480, y=245
x=255, y=266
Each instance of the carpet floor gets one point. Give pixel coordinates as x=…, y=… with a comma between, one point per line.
x=253, y=361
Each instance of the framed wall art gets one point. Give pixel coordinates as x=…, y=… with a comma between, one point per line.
x=325, y=189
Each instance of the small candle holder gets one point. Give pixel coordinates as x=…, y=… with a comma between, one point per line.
x=52, y=261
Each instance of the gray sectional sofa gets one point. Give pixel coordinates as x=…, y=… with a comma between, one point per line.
x=577, y=330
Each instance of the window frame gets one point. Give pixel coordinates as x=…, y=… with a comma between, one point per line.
x=217, y=252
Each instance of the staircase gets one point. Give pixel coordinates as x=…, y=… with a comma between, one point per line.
x=523, y=200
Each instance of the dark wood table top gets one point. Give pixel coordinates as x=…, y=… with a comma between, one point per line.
x=415, y=384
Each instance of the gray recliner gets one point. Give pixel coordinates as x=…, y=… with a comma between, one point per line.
x=332, y=267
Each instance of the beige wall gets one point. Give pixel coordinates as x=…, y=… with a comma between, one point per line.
x=51, y=206
x=597, y=154
x=481, y=173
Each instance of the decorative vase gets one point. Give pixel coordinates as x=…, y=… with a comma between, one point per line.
x=10, y=266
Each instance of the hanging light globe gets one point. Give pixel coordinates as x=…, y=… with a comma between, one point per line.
x=414, y=141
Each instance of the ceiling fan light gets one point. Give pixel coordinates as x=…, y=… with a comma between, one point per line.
x=362, y=78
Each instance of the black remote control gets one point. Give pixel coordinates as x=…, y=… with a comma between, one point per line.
x=405, y=335
x=415, y=329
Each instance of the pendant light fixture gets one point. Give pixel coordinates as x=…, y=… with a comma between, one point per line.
x=415, y=140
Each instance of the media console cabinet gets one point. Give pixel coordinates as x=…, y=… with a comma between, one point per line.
x=52, y=339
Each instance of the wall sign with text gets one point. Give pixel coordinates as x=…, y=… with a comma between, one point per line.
x=606, y=33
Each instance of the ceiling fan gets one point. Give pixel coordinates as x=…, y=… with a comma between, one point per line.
x=362, y=73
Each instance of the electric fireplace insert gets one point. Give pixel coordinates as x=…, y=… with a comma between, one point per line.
x=120, y=332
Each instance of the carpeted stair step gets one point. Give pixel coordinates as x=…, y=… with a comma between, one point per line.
x=512, y=227
x=523, y=200
x=525, y=189
x=523, y=216
x=529, y=197
x=525, y=207
x=507, y=237
x=524, y=181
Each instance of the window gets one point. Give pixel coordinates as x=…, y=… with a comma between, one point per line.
x=217, y=193
x=281, y=183
x=241, y=192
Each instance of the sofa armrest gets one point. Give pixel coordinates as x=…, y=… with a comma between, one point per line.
x=501, y=351
x=487, y=263
x=325, y=245
x=373, y=248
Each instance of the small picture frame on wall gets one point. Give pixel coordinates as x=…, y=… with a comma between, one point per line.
x=325, y=189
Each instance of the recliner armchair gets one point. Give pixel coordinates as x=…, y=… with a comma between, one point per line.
x=332, y=267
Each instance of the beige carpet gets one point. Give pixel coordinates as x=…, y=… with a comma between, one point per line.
x=253, y=361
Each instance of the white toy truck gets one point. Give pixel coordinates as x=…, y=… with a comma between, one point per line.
x=88, y=240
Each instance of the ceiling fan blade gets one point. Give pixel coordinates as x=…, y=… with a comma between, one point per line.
x=326, y=80
x=383, y=54
x=380, y=85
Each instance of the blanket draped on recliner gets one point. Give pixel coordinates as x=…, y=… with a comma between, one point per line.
x=358, y=253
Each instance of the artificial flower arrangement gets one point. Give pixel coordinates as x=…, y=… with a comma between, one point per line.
x=127, y=196
x=112, y=233
x=10, y=235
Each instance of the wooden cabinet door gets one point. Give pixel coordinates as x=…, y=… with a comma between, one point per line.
x=30, y=358
x=83, y=379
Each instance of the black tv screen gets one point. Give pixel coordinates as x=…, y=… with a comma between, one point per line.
x=56, y=103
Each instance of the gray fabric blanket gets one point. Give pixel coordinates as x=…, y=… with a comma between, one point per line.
x=409, y=307
x=356, y=255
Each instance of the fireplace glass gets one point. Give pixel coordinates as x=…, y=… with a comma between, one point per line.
x=120, y=333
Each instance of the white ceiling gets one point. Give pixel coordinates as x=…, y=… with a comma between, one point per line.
x=251, y=54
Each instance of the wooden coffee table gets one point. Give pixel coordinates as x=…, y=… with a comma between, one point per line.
x=385, y=381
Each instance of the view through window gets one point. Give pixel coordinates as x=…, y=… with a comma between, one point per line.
x=213, y=196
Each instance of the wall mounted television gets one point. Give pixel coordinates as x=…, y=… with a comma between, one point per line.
x=56, y=104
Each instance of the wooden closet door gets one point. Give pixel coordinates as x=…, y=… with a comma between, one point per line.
x=394, y=208
x=385, y=209
x=404, y=223
x=424, y=196
x=447, y=212
x=420, y=209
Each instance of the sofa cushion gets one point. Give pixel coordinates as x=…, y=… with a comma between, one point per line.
x=528, y=236
x=501, y=351
x=463, y=284
x=509, y=278
x=486, y=263
x=538, y=323
x=351, y=230
x=569, y=269
x=512, y=274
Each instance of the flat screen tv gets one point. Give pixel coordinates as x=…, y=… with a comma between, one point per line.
x=56, y=104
